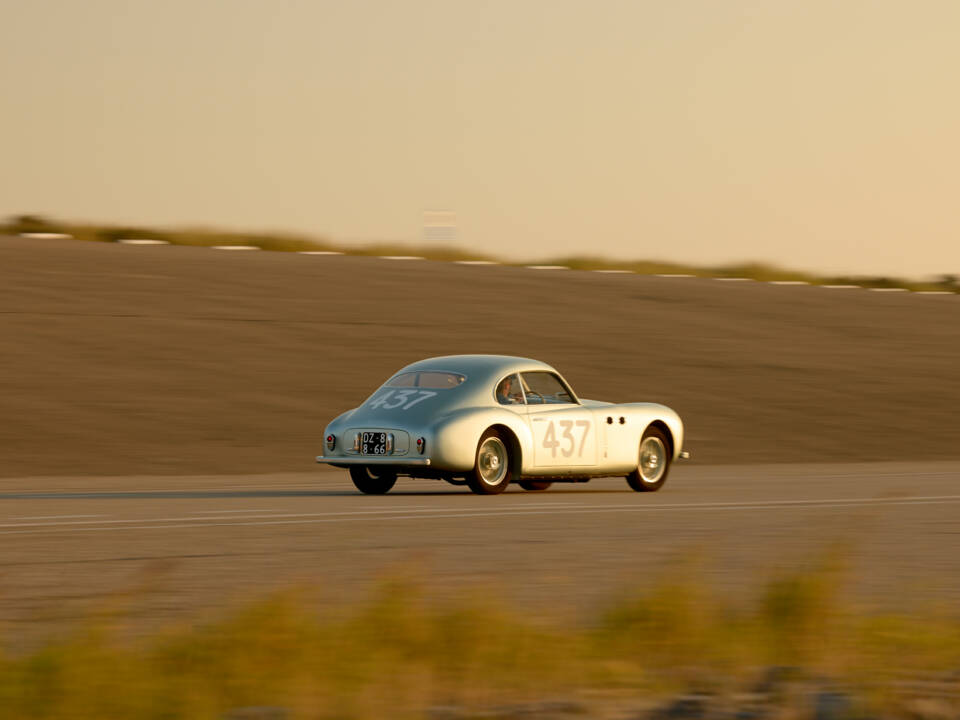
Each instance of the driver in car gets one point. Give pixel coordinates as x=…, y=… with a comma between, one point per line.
x=508, y=393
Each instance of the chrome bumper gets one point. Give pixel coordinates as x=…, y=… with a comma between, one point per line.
x=373, y=460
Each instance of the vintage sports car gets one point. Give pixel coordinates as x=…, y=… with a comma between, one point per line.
x=489, y=420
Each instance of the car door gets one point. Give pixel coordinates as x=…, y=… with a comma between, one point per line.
x=564, y=432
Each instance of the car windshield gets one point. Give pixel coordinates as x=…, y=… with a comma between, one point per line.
x=428, y=379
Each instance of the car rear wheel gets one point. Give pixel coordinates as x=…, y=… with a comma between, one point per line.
x=371, y=481
x=535, y=485
x=492, y=470
x=653, y=462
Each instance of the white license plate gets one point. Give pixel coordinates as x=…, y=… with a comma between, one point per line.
x=373, y=443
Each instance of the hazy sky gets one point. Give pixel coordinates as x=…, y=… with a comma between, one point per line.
x=817, y=134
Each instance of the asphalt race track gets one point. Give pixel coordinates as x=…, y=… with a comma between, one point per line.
x=161, y=407
x=167, y=548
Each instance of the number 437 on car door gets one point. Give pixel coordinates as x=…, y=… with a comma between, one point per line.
x=564, y=442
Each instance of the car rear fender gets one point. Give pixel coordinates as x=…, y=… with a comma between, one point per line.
x=456, y=435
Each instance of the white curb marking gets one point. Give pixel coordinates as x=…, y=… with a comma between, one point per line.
x=153, y=241
x=45, y=236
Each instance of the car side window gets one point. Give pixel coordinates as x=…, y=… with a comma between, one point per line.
x=542, y=387
x=509, y=391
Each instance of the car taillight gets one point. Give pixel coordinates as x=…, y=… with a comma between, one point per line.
x=356, y=442
x=421, y=445
x=331, y=441
x=389, y=443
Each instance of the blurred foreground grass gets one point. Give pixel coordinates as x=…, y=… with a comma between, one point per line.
x=401, y=654
x=287, y=242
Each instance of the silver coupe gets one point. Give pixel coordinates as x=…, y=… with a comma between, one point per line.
x=488, y=420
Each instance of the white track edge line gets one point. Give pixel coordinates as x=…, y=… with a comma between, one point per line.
x=546, y=506
x=455, y=514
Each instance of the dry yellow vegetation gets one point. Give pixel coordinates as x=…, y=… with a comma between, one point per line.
x=402, y=655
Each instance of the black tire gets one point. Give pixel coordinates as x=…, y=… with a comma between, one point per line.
x=653, y=462
x=535, y=485
x=493, y=465
x=372, y=482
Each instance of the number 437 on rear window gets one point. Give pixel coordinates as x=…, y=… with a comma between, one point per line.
x=400, y=399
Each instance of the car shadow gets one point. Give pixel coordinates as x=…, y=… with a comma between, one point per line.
x=216, y=494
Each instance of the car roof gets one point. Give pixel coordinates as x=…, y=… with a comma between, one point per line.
x=478, y=365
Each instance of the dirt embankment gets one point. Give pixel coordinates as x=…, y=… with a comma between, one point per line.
x=172, y=360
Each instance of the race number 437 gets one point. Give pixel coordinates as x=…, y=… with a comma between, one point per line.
x=402, y=399
x=566, y=441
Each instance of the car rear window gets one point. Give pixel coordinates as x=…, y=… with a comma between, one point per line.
x=429, y=379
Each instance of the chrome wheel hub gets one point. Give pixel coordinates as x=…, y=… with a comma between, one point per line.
x=492, y=461
x=653, y=459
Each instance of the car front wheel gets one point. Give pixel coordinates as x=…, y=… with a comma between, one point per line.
x=492, y=469
x=372, y=482
x=653, y=462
